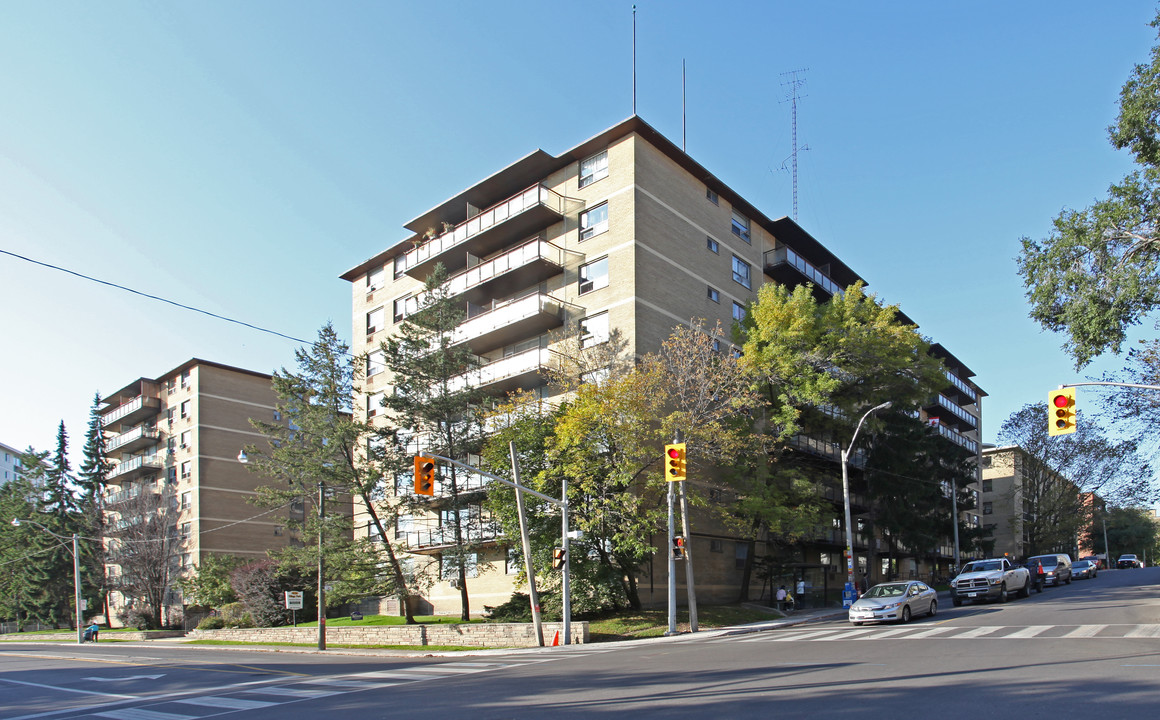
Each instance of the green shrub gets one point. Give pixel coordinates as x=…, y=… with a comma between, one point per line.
x=235, y=615
x=213, y=622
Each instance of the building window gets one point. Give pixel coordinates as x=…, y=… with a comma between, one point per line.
x=987, y=508
x=184, y=378
x=171, y=474
x=594, y=330
x=186, y=438
x=988, y=485
x=185, y=407
x=185, y=527
x=186, y=500
x=594, y=275
x=742, y=272
x=170, y=386
x=171, y=445
x=277, y=416
x=738, y=312
x=716, y=345
x=375, y=404
x=716, y=546
x=594, y=168
x=511, y=565
x=375, y=278
x=402, y=307
x=374, y=321
x=740, y=554
x=376, y=363
x=594, y=221
x=712, y=244
x=450, y=566
x=595, y=377
x=186, y=469
x=711, y=196
x=741, y=226
x=714, y=295
x=400, y=265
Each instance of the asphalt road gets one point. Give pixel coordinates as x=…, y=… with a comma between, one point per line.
x=1090, y=649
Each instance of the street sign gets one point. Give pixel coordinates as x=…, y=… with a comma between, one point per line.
x=293, y=599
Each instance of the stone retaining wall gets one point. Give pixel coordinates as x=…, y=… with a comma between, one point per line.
x=471, y=635
x=135, y=635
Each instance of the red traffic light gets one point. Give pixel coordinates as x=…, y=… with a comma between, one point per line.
x=674, y=453
x=1061, y=401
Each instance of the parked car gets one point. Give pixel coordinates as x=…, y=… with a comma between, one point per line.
x=993, y=579
x=1097, y=561
x=1129, y=561
x=1056, y=567
x=1083, y=569
x=898, y=601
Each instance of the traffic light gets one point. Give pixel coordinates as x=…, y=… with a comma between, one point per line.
x=675, y=462
x=679, y=551
x=1061, y=412
x=424, y=475
x=557, y=558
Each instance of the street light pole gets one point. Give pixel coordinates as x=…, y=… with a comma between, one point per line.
x=321, y=568
x=846, y=500
x=76, y=573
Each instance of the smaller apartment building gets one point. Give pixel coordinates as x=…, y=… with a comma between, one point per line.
x=176, y=438
x=10, y=465
x=1020, y=503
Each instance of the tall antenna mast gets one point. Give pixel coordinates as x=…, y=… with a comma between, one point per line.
x=794, y=83
x=634, y=59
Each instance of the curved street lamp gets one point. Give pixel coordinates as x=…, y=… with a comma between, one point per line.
x=16, y=522
x=846, y=498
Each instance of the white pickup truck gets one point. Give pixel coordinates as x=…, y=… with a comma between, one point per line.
x=992, y=579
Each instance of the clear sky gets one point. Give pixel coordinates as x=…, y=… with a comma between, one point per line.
x=239, y=157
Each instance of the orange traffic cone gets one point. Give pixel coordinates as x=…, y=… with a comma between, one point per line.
x=556, y=640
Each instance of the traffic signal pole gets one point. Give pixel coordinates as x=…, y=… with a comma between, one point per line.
x=561, y=503
x=526, y=544
x=672, y=572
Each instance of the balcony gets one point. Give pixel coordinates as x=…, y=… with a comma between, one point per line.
x=521, y=215
x=527, y=265
x=441, y=537
x=131, y=440
x=954, y=416
x=958, y=439
x=134, y=468
x=827, y=449
x=511, y=322
x=962, y=387
x=519, y=371
x=132, y=412
x=789, y=268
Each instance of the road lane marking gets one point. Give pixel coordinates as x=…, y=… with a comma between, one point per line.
x=1084, y=631
x=1029, y=632
x=142, y=714
x=300, y=693
x=71, y=690
x=227, y=703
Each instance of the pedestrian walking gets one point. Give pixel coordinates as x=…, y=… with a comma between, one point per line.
x=781, y=593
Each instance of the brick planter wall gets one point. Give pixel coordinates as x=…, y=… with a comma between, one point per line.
x=484, y=635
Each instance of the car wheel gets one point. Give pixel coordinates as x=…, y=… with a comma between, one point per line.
x=1026, y=591
x=933, y=608
x=956, y=602
x=1003, y=597
x=906, y=614
x=855, y=623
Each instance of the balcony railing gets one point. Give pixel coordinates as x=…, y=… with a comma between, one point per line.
x=828, y=449
x=140, y=464
x=504, y=371
x=140, y=406
x=444, y=536
x=515, y=320
x=786, y=256
x=962, y=386
x=958, y=439
x=957, y=411
x=139, y=435
x=421, y=259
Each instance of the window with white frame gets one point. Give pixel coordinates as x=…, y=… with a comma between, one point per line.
x=594, y=168
x=186, y=438
x=376, y=362
x=738, y=312
x=186, y=500
x=714, y=295
x=712, y=245
x=449, y=569
x=594, y=221
x=375, y=404
x=186, y=406
x=742, y=272
x=404, y=524
x=186, y=469
x=400, y=265
x=375, y=278
x=741, y=226
x=375, y=320
x=403, y=307
x=711, y=196
x=594, y=275
x=186, y=527
x=594, y=330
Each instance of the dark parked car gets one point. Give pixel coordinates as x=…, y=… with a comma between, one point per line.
x=1057, y=568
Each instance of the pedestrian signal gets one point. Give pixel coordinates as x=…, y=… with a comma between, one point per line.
x=558, y=556
x=679, y=551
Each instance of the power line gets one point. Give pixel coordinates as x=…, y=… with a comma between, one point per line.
x=153, y=297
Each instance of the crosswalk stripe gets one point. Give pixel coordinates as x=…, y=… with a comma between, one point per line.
x=927, y=633
x=893, y=632
x=1084, y=631
x=806, y=635
x=847, y=635
x=1147, y=631
x=283, y=691
x=343, y=683
x=1029, y=632
x=228, y=703
x=142, y=714
x=979, y=631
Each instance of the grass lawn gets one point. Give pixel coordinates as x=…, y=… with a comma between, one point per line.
x=630, y=625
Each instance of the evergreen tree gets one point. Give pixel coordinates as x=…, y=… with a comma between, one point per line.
x=93, y=481
x=19, y=561
x=434, y=406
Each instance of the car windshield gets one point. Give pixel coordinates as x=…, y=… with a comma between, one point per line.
x=987, y=566
x=1051, y=560
x=1127, y=557
x=1081, y=564
x=885, y=591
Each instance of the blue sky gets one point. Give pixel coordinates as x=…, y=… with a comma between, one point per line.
x=239, y=157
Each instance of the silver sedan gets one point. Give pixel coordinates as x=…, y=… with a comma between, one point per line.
x=898, y=601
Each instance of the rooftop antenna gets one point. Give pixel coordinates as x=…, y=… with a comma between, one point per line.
x=634, y=59
x=794, y=82
x=684, y=146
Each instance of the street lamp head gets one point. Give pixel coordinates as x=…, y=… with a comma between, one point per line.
x=242, y=458
x=885, y=406
x=15, y=522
